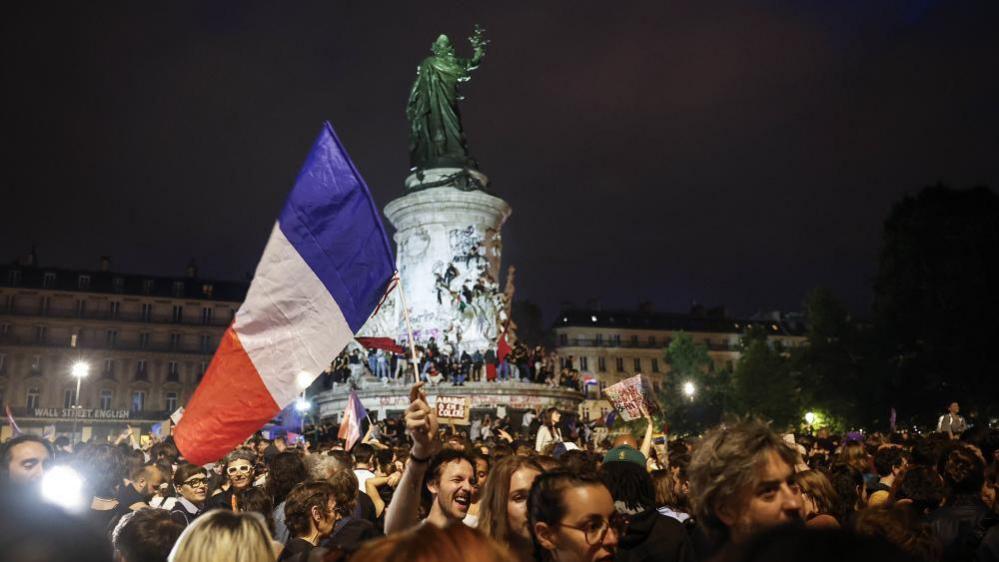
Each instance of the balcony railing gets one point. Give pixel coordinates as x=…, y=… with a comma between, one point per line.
x=105, y=315
x=628, y=344
x=194, y=348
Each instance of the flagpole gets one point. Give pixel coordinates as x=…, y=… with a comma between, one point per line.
x=409, y=328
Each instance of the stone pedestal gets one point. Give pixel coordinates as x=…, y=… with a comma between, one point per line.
x=448, y=248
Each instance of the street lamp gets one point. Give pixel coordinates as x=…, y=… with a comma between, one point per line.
x=302, y=380
x=689, y=390
x=79, y=370
x=809, y=418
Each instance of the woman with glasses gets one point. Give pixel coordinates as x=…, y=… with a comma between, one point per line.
x=238, y=469
x=572, y=518
x=310, y=512
x=191, y=482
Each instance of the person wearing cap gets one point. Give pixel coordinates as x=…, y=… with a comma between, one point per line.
x=649, y=535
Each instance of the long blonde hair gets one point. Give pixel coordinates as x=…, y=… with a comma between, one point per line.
x=224, y=536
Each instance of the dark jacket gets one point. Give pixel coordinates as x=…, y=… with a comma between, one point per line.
x=652, y=536
x=961, y=526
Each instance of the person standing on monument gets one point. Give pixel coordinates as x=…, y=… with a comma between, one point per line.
x=951, y=423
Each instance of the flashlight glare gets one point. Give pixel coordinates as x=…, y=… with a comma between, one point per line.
x=63, y=486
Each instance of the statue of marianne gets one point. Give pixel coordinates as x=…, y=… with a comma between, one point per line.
x=436, y=137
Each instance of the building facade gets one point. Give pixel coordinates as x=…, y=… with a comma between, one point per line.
x=147, y=340
x=614, y=345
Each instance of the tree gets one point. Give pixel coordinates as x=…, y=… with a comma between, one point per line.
x=935, y=300
x=530, y=324
x=689, y=363
x=763, y=382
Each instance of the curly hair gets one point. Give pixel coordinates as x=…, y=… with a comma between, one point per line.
x=286, y=470
x=726, y=462
x=299, y=503
x=901, y=526
x=963, y=472
x=817, y=486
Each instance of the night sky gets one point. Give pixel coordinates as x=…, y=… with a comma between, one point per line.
x=664, y=151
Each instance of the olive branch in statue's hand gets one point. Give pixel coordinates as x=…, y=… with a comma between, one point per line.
x=478, y=39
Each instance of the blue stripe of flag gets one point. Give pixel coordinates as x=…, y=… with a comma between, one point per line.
x=333, y=223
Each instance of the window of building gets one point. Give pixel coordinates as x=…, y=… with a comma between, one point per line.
x=171, y=401
x=173, y=372
x=140, y=369
x=563, y=339
x=109, y=367
x=68, y=398
x=652, y=341
x=634, y=340
x=113, y=308
x=207, y=289
x=111, y=337
x=202, y=367
x=178, y=313
x=655, y=365
x=206, y=343
x=619, y=364
x=4, y=329
x=83, y=282
x=147, y=312
x=36, y=363
x=32, y=398
x=616, y=339
x=178, y=288
x=602, y=364
x=174, y=341
x=584, y=363
x=8, y=302
x=48, y=280
x=44, y=305
x=81, y=307
x=598, y=339
x=3, y=362
x=2, y=403
x=638, y=365
x=138, y=400
x=41, y=334
x=106, y=396
x=143, y=340
x=206, y=315
x=118, y=284
x=147, y=286
x=14, y=277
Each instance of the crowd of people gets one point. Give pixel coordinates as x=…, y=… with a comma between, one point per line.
x=443, y=364
x=740, y=492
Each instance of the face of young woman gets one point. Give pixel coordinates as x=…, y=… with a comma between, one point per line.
x=587, y=508
x=516, y=505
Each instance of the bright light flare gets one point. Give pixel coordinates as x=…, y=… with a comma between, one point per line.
x=63, y=486
x=302, y=405
x=80, y=369
x=303, y=380
x=810, y=418
x=689, y=389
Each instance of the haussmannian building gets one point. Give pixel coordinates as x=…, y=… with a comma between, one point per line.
x=147, y=340
x=613, y=345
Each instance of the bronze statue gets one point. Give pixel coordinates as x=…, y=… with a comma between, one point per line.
x=436, y=137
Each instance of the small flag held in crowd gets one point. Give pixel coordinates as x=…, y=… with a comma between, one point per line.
x=323, y=272
x=353, y=416
x=10, y=420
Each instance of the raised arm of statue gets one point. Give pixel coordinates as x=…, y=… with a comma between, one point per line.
x=479, y=43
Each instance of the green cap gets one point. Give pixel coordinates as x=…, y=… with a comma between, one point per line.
x=624, y=453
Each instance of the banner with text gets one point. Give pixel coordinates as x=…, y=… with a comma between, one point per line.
x=454, y=409
x=628, y=397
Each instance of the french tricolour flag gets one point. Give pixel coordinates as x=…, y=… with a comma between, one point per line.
x=353, y=417
x=322, y=274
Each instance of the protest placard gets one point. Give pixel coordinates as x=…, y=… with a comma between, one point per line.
x=453, y=409
x=629, y=395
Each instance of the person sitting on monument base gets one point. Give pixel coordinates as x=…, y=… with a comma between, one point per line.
x=449, y=475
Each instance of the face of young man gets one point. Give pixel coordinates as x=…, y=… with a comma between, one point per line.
x=774, y=500
x=149, y=482
x=28, y=462
x=454, y=489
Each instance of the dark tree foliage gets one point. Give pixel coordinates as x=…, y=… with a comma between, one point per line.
x=530, y=324
x=763, y=383
x=689, y=362
x=936, y=303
